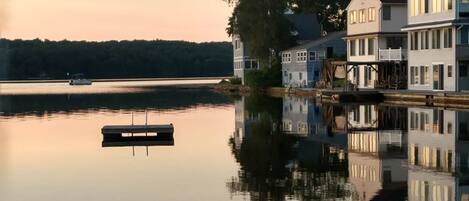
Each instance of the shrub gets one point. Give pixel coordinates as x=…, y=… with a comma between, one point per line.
x=266, y=77
x=236, y=81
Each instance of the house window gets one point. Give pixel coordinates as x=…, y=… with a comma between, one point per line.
x=386, y=12
x=462, y=70
x=414, y=7
x=424, y=40
x=422, y=75
x=353, y=47
x=312, y=56
x=371, y=46
x=414, y=41
x=286, y=57
x=371, y=14
x=436, y=6
x=423, y=6
x=436, y=39
x=362, y=16
x=427, y=75
x=464, y=34
x=448, y=38
x=450, y=128
x=301, y=56
x=450, y=71
x=448, y=4
x=414, y=75
x=301, y=76
x=285, y=73
x=362, y=47
x=353, y=17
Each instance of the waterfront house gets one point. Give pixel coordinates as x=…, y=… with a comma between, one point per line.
x=438, y=35
x=306, y=27
x=376, y=45
x=301, y=65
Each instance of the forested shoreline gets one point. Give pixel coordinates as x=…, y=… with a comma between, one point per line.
x=43, y=59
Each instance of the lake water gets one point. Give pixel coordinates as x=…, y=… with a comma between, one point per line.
x=229, y=148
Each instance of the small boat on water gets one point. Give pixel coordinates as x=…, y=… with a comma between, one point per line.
x=78, y=79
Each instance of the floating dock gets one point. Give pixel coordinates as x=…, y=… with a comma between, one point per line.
x=138, y=135
x=120, y=129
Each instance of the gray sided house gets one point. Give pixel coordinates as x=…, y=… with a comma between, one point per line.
x=301, y=65
x=438, y=41
x=307, y=29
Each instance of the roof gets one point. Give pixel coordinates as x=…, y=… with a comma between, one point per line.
x=320, y=41
x=306, y=25
x=435, y=24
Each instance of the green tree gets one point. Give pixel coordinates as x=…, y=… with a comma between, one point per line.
x=263, y=26
x=331, y=13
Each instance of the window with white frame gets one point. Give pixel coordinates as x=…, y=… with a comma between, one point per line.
x=286, y=57
x=371, y=14
x=436, y=6
x=237, y=44
x=450, y=71
x=427, y=75
x=362, y=16
x=353, y=17
x=448, y=5
x=448, y=38
x=353, y=47
x=371, y=46
x=436, y=39
x=312, y=56
x=424, y=40
x=301, y=56
x=361, y=47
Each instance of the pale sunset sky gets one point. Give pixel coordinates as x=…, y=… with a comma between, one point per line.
x=99, y=20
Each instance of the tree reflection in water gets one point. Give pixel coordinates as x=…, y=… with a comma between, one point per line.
x=279, y=166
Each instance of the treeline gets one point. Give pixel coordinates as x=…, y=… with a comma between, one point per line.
x=38, y=59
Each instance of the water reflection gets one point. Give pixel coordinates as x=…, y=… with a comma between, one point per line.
x=297, y=149
x=161, y=98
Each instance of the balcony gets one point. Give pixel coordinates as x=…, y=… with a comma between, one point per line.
x=393, y=54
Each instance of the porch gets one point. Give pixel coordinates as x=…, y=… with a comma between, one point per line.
x=391, y=75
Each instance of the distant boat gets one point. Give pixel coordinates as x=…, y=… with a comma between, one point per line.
x=78, y=79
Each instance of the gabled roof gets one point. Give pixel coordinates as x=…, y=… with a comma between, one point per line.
x=320, y=41
x=306, y=25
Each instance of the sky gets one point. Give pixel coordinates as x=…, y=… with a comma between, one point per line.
x=101, y=20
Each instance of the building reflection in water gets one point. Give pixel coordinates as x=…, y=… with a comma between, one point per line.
x=438, y=154
x=376, y=149
x=296, y=149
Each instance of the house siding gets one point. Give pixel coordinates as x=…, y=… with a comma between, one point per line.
x=309, y=70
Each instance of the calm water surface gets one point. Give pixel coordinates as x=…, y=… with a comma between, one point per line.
x=230, y=148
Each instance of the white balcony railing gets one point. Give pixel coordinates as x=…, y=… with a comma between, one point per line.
x=393, y=54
